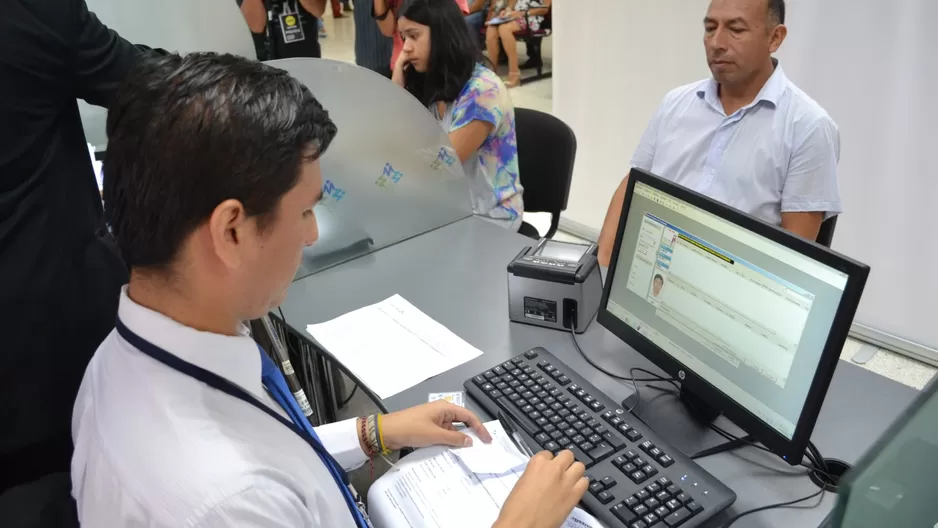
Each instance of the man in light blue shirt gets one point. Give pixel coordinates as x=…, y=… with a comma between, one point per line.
x=748, y=137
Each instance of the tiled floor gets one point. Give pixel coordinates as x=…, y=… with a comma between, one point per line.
x=339, y=45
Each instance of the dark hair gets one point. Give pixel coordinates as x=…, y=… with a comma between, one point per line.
x=453, y=52
x=658, y=277
x=187, y=133
x=777, y=11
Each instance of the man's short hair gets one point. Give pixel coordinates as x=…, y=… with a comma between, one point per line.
x=187, y=133
x=777, y=11
x=658, y=277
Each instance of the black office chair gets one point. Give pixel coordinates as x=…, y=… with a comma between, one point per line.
x=546, y=151
x=826, y=234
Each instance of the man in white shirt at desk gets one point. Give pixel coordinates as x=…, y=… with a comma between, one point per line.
x=748, y=137
x=210, y=181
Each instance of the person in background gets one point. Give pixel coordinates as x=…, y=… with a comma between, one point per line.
x=478, y=14
x=748, y=137
x=442, y=67
x=210, y=183
x=60, y=273
x=372, y=48
x=520, y=15
x=385, y=12
x=294, y=31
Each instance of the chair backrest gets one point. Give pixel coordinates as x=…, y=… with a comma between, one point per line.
x=826, y=234
x=546, y=152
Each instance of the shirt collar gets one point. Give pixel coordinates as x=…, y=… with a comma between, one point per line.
x=771, y=91
x=235, y=358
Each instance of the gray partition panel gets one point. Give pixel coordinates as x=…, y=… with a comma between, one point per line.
x=391, y=172
x=457, y=275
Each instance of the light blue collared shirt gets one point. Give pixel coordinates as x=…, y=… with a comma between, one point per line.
x=777, y=154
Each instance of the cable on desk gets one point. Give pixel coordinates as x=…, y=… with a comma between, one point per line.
x=739, y=516
x=346, y=400
x=631, y=379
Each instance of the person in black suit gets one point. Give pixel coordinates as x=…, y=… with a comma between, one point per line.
x=59, y=277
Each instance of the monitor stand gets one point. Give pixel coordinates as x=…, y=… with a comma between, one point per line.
x=702, y=415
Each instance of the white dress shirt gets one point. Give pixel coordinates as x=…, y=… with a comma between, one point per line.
x=157, y=448
x=775, y=155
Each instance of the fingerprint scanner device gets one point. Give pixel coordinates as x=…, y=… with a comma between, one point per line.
x=555, y=284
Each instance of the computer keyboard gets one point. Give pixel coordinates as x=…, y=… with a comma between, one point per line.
x=637, y=480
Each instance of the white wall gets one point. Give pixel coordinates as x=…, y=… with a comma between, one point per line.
x=870, y=63
x=613, y=63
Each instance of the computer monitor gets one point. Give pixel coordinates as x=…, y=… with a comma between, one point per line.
x=748, y=317
x=893, y=483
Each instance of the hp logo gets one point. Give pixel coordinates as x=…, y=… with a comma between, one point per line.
x=681, y=375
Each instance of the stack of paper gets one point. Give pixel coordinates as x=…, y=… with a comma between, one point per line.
x=392, y=346
x=434, y=487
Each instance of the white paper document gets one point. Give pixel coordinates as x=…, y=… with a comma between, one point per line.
x=498, y=457
x=392, y=346
x=432, y=488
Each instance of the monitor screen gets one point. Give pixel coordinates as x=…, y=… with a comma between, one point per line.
x=745, y=314
x=564, y=251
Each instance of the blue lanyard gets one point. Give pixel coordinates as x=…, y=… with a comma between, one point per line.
x=277, y=386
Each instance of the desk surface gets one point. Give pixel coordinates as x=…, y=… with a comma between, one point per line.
x=457, y=275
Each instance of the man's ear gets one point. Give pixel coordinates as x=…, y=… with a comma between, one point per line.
x=778, y=36
x=228, y=227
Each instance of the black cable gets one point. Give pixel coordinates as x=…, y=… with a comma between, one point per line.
x=346, y=400
x=631, y=378
x=739, y=516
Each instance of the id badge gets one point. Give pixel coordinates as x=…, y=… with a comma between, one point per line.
x=291, y=28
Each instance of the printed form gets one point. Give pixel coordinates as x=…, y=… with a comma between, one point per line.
x=392, y=346
x=433, y=488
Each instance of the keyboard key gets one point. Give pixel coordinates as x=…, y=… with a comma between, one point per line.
x=684, y=498
x=527, y=425
x=666, y=460
x=653, y=488
x=488, y=387
x=640, y=510
x=620, y=461
x=499, y=371
x=694, y=507
x=646, y=445
x=652, y=503
x=563, y=440
x=578, y=439
x=563, y=380
x=597, y=487
x=600, y=429
x=595, y=438
x=673, y=490
x=601, y=451
x=631, y=502
x=638, y=477
x=489, y=374
x=630, y=454
x=662, y=496
x=629, y=468
x=615, y=421
x=662, y=512
x=650, y=519
x=517, y=360
x=541, y=422
x=586, y=446
x=605, y=497
x=479, y=380
x=534, y=415
x=588, y=400
x=639, y=461
x=597, y=406
x=608, y=482
x=530, y=354
x=677, y=518
x=673, y=504
x=655, y=452
x=613, y=440
x=581, y=456
x=649, y=470
x=583, y=416
x=550, y=428
x=639, y=524
x=633, y=435
x=552, y=446
x=624, y=513
x=664, y=482
x=495, y=394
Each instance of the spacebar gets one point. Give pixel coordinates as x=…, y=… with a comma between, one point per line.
x=515, y=414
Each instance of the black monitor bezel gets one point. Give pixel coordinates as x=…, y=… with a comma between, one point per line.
x=790, y=450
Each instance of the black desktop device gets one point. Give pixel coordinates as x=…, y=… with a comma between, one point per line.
x=748, y=319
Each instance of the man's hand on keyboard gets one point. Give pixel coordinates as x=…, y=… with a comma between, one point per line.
x=546, y=493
